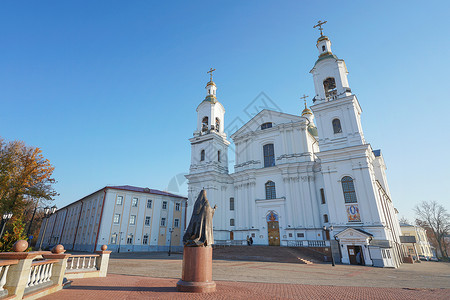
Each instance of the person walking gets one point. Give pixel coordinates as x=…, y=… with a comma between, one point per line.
x=251, y=241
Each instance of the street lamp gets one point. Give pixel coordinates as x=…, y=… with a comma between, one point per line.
x=170, y=240
x=48, y=211
x=331, y=248
x=5, y=218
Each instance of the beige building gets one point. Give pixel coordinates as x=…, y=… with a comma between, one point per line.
x=415, y=242
x=126, y=218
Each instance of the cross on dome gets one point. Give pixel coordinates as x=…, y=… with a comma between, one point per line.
x=319, y=24
x=211, y=70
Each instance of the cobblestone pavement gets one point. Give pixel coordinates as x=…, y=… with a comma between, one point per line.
x=420, y=275
x=138, y=287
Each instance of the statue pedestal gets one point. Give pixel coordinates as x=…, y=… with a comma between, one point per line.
x=197, y=271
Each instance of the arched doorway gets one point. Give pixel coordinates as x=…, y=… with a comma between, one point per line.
x=273, y=229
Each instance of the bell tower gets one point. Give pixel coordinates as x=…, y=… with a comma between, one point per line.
x=337, y=111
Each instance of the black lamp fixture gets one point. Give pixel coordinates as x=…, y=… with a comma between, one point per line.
x=5, y=218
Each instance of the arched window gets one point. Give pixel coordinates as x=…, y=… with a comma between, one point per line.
x=202, y=155
x=205, y=124
x=270, y=190
x=349, y=189
x=218, y=156
x=217, y=124
x=231, y=203
x=269, y=155
x=336, y=126
x=329, y=86
x=266, y=125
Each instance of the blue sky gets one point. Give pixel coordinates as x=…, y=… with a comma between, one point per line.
x=109, y=89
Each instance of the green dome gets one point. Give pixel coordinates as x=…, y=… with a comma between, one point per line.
x=312, y=130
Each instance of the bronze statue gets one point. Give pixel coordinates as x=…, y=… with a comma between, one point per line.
x=200, y=230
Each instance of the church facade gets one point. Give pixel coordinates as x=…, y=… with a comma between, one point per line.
x=299, y=180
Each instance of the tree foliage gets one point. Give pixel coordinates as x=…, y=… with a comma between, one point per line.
x=25, y=176
x=9, y=238
x=435, y=218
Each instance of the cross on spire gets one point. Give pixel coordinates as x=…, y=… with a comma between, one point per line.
x=304, y=98
x=319, y=24
x=211, y=70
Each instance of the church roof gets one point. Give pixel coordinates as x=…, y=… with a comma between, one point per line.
x=325, y=57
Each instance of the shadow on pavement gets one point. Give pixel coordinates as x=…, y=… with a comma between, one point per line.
x=157, y=289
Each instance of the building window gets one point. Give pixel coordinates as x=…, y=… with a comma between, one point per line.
x=202, y=155
x=176, y=223
x=164, y=205
x=300, y=235
x=231, y=222
x=217, y=124
x=269, y=155
x=147, y=221
x=163, y=222
x=177, y=206
x=329, y=86
x=325, y=218
x=336, y=126
x=149, y=203
x=116, y=218
x=322, y=195
x=266, y=125
x=218, y=156
x=231, y=203
x=205, y=124
x=145, y=239
x=114, y=238
x=348, y=189
x=134, y=202
x=323, y=48
x=130, y=239
x=119, y=200
x=132, y=220
x=253, y=235
x=270, y=190
x=290, y=234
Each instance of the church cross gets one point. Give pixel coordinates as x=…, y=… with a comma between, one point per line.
x=211, y=70
x=304, y=98
x=319, y=24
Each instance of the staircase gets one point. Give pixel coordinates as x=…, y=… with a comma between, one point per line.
x=268, y=253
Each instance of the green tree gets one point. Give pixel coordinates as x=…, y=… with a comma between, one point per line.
x=25, y=177
x=9, y=238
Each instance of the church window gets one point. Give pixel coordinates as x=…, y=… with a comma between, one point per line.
x=205, y=124
x=145, y=239
x=336, y=126
x=218, y=156
x=269, y=155
x=322, y=196
x=323, y=48
x=329, y=85
x=202, y=155
x=270, y=190
x=217, y=124
x=300, y=235
x=231, y=222
x=290, y=234
x=231, y=203
x=325, y=218
x=266, y=125
x=348, y=189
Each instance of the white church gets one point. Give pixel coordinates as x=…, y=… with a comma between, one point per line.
x=299, y=180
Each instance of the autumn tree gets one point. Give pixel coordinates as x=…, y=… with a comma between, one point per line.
x=435, y=218
x=25, y=177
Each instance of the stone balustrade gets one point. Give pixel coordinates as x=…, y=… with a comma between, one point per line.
x=32, y=275
x=306, y=243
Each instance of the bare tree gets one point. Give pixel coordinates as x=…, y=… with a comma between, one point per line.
x=404, y=220
x=434, y=216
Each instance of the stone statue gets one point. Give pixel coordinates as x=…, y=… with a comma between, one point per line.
x=200, y=230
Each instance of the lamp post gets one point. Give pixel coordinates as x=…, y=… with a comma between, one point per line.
x=5, y=218
x=331, y=248
x=170, y=240
x=48, y=211
x=120, y=238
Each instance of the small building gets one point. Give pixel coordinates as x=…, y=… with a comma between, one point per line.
x=126, y=218
x=415, y=242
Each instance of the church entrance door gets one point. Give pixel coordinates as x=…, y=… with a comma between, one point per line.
x=355, y=255
x=231, y=235
x=273, y=233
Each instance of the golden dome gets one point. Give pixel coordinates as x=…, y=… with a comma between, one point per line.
x=210, y=83
x=306, y=111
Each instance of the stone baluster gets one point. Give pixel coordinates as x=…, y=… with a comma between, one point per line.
x=3, y=278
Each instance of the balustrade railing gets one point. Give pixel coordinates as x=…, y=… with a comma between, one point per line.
x=76, y=263
x=4, y=268
x=306, y=243
x=40, y=274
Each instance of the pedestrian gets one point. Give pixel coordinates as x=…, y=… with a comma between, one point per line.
x=358, y=258
x=251, y=241
x=248, y=241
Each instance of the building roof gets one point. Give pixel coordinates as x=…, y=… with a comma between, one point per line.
x=143, y=190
